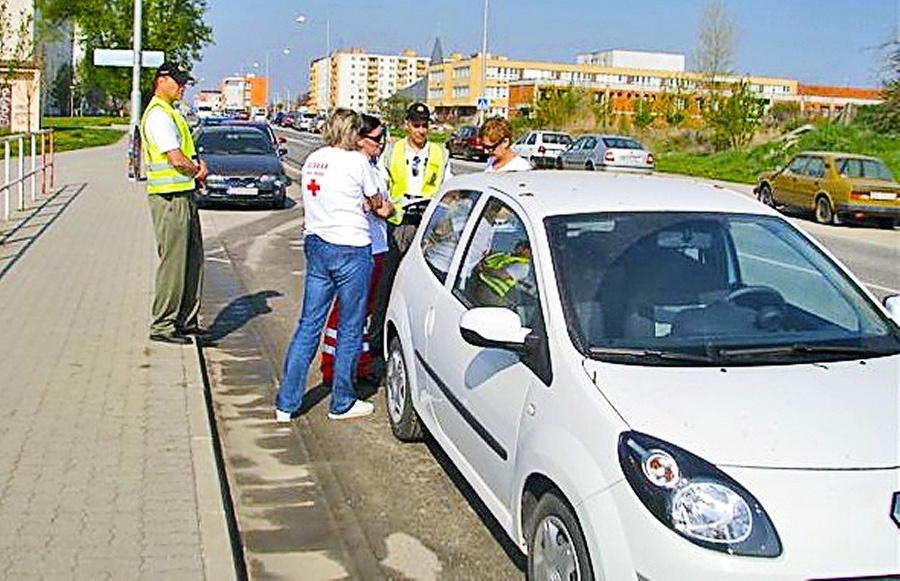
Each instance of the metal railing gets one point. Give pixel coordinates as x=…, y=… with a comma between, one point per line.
x=44, y=168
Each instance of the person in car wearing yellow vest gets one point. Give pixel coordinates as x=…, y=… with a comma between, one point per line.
x=173, y=171
x=499, y=273
x=415, y=169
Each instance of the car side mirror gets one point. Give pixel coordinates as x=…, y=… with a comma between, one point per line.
x=892, y=304
x=493, y=327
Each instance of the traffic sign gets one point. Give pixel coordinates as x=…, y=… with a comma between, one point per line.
x=111, y=57
x=483, y=103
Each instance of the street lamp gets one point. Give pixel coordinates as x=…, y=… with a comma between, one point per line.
x=301, y=19
x=285, y=51
x=484, y=47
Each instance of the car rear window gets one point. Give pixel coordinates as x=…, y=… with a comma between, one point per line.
x=863, y=168
x=558, y=138
x=621, y=143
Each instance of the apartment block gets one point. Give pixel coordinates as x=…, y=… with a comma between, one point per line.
x=357, y=80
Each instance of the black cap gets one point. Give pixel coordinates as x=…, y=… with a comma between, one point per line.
x=170, y=69
x=418, y=112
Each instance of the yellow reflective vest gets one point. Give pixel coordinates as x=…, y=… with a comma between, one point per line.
x=492, y=271
x=162, y=177
x=394, y=158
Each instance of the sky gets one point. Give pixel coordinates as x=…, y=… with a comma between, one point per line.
x=818, y=42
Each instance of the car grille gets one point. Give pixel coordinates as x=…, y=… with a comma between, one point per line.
x=240, y=182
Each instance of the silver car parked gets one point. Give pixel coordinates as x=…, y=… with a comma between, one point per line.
x=602, y=152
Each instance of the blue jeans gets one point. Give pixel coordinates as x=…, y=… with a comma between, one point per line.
x=330, y=269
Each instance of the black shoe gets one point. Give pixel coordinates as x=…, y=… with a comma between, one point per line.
x=170, y=338
x=193, y=331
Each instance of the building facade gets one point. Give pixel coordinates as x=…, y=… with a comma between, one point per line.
x=357, y=80
x=621, y=79
x=20, y=90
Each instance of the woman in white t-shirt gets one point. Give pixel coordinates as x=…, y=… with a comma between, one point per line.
x=496, y=138
x=338, y=188
x=373, y=136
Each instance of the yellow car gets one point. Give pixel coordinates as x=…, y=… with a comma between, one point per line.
x=836, y=186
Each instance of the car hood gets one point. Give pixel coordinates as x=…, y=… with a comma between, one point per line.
x=810, y=416
x=243, y=164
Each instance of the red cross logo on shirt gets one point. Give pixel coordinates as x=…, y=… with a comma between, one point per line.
x=313, y=187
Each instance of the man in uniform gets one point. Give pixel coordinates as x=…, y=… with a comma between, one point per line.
x=173, y=171
x=416, y=168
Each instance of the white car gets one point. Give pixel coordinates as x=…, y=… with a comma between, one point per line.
x=606, y=152
x=542, y=148
x=646, y=377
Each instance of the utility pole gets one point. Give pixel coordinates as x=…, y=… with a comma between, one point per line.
x=134, y=169
x=484, y=48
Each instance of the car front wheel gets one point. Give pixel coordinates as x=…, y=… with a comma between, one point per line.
x=556, y=545
x=765, y=195
x=405, y=422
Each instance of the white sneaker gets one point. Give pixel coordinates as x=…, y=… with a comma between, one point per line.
x=359, y=409
x=282, y=417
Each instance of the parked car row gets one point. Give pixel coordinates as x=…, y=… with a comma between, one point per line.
x=310, y=122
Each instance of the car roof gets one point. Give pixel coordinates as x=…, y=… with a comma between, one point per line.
x=552, y=192
x=838, y=154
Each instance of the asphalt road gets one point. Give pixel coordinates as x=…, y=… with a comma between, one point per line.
x=413, y=512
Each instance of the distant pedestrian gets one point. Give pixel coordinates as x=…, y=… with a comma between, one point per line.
x=173, y=171
x=373, y=135
x=338, y=187
x=496, y=138
x=415, y=169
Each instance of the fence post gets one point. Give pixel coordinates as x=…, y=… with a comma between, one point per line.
x=33, y=165
x=21, y=165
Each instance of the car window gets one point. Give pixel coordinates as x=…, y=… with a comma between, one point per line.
x=798, y=164
x=851, y=168
x=589, y=143
x=874, y=169
x=621, y=143
x=497, y=268
x=816, y=167
x=531, y=139
x=558, y=138
x=441, y=235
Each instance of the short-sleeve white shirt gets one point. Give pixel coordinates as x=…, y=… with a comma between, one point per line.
x=161, y=130
x=517, y=164
x=334, y=182
x=418, y=159
x=377, y=224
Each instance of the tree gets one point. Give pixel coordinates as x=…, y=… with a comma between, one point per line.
x=885, y=117
x=716, y=43
x=643, y=113
x=556, y=107
x=175, y=27
x=735, y=117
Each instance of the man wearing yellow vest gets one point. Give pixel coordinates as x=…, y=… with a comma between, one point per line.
x=416, y=168
x=172, y=174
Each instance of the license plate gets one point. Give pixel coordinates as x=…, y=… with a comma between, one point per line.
x=242, y=191
x=883, y=196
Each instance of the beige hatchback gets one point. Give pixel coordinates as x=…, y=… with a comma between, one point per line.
x=835, y=186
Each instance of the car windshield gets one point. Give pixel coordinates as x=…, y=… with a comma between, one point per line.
x=717, y=289
x=248, y=142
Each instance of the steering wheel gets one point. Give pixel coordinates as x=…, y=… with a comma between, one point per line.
x=768, y=303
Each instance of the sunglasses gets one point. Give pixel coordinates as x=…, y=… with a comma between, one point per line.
x=379, y=139
x=419, y=124
x=415, y=166
x=490, y=147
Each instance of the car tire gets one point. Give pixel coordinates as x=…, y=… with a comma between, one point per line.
x=886, y=223
x=824, y=212
x=405, y=422
x=556, y=545
x=280, y=202
x=558, y=163
x=765, y=195
x=589, y=166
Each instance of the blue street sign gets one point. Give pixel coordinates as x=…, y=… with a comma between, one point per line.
x=483, y=103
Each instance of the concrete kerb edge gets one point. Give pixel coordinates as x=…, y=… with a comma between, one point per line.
x=217, y=544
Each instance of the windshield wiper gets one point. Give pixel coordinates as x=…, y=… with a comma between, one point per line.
x=649, y=354
x=797, y=348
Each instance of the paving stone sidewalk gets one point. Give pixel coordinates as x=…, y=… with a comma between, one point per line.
x=106, y=462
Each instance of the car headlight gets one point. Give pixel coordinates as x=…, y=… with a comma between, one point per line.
x=215, y=180
x=271, y=180
x=695, y=499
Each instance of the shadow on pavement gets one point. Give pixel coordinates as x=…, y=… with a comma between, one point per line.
x=238, y=312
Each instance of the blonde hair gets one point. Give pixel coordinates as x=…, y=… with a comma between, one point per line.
x=496, y=129
x=341, y=129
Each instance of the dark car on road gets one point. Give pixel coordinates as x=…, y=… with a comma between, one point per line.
x=244, y=167
x=466, y=143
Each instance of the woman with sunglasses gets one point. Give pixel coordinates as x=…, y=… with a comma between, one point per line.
x=337, y=184
x=372, y=136
x=496, y=138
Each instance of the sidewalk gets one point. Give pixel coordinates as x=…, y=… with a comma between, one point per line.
x=106, y=459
